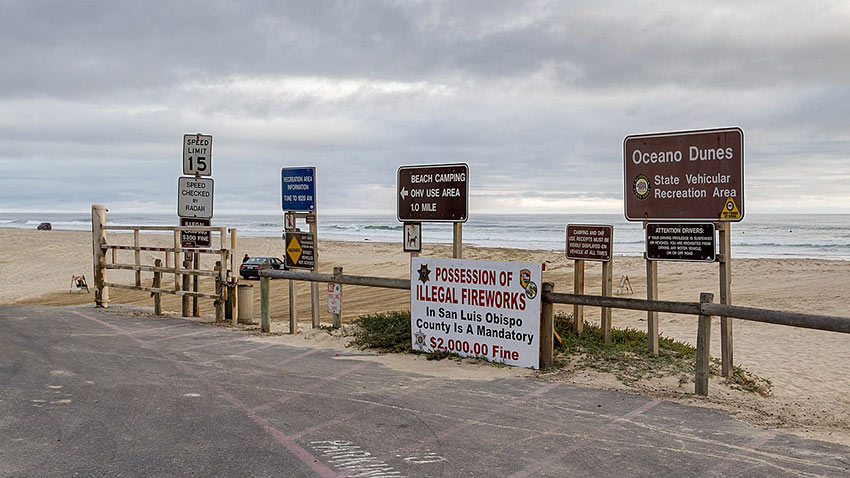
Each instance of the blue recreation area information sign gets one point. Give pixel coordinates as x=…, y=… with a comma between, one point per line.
x=298, y=188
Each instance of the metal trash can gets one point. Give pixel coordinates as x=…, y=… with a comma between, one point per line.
x=245, y=293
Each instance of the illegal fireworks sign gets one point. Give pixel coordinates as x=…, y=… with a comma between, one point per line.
x=487, y=309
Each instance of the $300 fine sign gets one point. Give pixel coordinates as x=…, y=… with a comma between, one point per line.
x=486, y=309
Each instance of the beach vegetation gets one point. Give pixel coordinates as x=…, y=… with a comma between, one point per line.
x=626, y=357
x=384, y=332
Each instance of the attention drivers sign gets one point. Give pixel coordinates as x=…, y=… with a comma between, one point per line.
x=486, y=309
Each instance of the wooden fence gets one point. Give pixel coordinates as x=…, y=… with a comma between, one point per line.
x=704, y=309
x=224, y=272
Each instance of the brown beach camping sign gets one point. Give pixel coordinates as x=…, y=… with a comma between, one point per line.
x=688, y=175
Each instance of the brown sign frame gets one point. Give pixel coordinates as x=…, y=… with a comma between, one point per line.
x=694, y=172
x=448, y=209
x=651, y=254
x=588, y=257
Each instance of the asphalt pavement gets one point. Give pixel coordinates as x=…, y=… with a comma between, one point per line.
x=91, y=392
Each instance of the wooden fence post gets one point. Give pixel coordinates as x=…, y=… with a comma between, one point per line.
x=293, y=311
x=457, y=240
x=157, y=283
x=337, y=319
x=547, y=328
x=177, y=260
x=607, y=288
x=314, y=286
x=578, y=288
x=197, y=266
x=168, y=259
x=186, y=298
x=137, y=257
x=98, y=237
x=725, y=297
x=221, y=264
x=703, y=359
x=265, y=318
x=219, y=302
x=232, y=286
x=652, y=294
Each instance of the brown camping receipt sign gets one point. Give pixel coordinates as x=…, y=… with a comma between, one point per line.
x=688, y=175
x=589, y=242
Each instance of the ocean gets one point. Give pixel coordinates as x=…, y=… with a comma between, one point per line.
x=774, y=236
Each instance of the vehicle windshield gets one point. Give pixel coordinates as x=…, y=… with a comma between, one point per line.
x=257, y=260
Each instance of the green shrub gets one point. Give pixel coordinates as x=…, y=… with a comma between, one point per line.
x=627, y=357
x=387, y=332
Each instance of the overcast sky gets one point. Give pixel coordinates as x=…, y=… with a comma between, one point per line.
x=536, y=96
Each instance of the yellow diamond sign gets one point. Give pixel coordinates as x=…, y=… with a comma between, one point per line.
x=300, y=250
x=294, y=250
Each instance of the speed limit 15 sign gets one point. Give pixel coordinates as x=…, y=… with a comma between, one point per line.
x=197, y=154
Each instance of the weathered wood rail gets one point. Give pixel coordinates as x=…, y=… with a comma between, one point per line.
x=226, y=278
x=704, y=309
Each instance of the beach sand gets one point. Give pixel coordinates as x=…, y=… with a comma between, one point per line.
x=810, y=370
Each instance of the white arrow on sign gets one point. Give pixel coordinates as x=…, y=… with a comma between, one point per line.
x=403, y=193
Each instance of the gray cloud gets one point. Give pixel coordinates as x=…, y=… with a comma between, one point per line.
x=95, y=48
x=535, y=96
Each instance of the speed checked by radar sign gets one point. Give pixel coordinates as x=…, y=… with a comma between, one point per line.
x=195, y=197
x=486, y=309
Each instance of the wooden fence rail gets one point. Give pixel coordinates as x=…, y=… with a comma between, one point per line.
x=224, y=272
x=794, y=319
x=170, y=270
x=367, y=281
x=704, y=309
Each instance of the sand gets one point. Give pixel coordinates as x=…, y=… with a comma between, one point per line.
x=810, y=370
